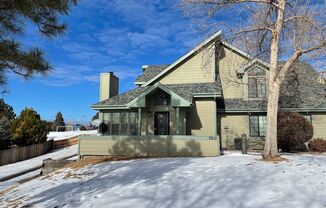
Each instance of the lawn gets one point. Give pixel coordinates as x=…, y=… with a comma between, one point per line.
x=231, y=180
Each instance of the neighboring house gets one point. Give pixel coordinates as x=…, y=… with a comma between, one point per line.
x=213, y=90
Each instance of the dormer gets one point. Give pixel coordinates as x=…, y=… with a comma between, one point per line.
x=253, y=76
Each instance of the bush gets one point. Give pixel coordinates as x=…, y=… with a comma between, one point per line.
x=293, y=130
x=82, y=128
x=318, y=145
x=28, y=128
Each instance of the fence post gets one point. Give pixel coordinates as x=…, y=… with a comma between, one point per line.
x=244, y=143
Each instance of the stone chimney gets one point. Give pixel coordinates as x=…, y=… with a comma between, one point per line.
x=109, y=85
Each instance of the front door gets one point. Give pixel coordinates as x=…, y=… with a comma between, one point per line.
x=162, y=122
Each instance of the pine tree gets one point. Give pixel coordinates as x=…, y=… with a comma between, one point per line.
x=59, y=121
x=28, y=128
x=96, y=116
x=14, y=14
x=5, y=134
x=6, y=110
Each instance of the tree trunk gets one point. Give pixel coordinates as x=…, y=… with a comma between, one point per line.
x=270, y=150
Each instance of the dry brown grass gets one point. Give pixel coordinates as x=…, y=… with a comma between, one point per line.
x=274, y=159
x=92, y=161
x=8, y=190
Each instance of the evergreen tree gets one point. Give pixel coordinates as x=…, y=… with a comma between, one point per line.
x=28, y=128
x=59, y=121
x=6, y=110
x=14, y=14
x=96, y=116
x=5, y=134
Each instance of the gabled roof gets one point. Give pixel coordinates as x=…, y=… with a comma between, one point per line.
x=185, y=91
x=150, y=76
x=150, y=72
x=252, y=63
x=190, y=53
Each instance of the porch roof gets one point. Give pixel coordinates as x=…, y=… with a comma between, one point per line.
x=184, y=91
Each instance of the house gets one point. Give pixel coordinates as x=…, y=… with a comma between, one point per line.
x=214, y=90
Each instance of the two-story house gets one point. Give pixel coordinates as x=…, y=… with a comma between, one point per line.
x=214, y=90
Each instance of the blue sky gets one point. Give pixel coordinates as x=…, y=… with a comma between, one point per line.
x=118, y=36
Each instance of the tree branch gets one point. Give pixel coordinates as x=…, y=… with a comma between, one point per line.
x=225, y=2
x=294, y=58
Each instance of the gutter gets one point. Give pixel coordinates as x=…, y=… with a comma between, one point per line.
x=203, y=95
x=110, y=107
x=280, y=110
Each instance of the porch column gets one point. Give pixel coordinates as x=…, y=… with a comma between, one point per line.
x=177, y=118
x=139, y=121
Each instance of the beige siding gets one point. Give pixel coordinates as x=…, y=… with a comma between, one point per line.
x=201, y=118
x=229, y=62
x=199, y=68
x=319, y=124
x=232, y=126
x=147, y=146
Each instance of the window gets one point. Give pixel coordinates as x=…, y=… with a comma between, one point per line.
x=162, y=99
x=256, y=83
x=257, y=125
x=121, y=123
x=257, y=87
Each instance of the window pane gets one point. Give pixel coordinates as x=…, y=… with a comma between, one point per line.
x=107, y=116
x=256, y=72
x=116, y=118
x=133, y=129
x=252, y=87
x=253, y=126
x=262, y=125
x=133, y=117
x=262, y=88
x=115, y=129
x=162, y=99
x=124, y=129
x=124, y=117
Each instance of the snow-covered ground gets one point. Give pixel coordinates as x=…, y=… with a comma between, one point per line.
x=232, y=180
x=68, y=134
x=17, y=167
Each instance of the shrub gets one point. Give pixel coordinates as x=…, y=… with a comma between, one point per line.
x=28, y=128
x=318, y=145
x=293, y=130
x=82, y=128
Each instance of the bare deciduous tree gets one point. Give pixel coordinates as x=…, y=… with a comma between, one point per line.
x=279, y=31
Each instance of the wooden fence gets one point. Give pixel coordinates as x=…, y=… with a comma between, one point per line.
x=22, y=153
x=65, y=142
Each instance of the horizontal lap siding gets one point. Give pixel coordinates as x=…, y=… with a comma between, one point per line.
x=319, y=124
x=201, y=118
x=228, y=64
x=200, y=68
x=236, y=124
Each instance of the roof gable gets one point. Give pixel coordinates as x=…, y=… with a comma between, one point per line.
x=190, y=53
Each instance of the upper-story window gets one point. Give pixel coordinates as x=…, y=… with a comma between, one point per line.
x=256, y=83
x=162, y=99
